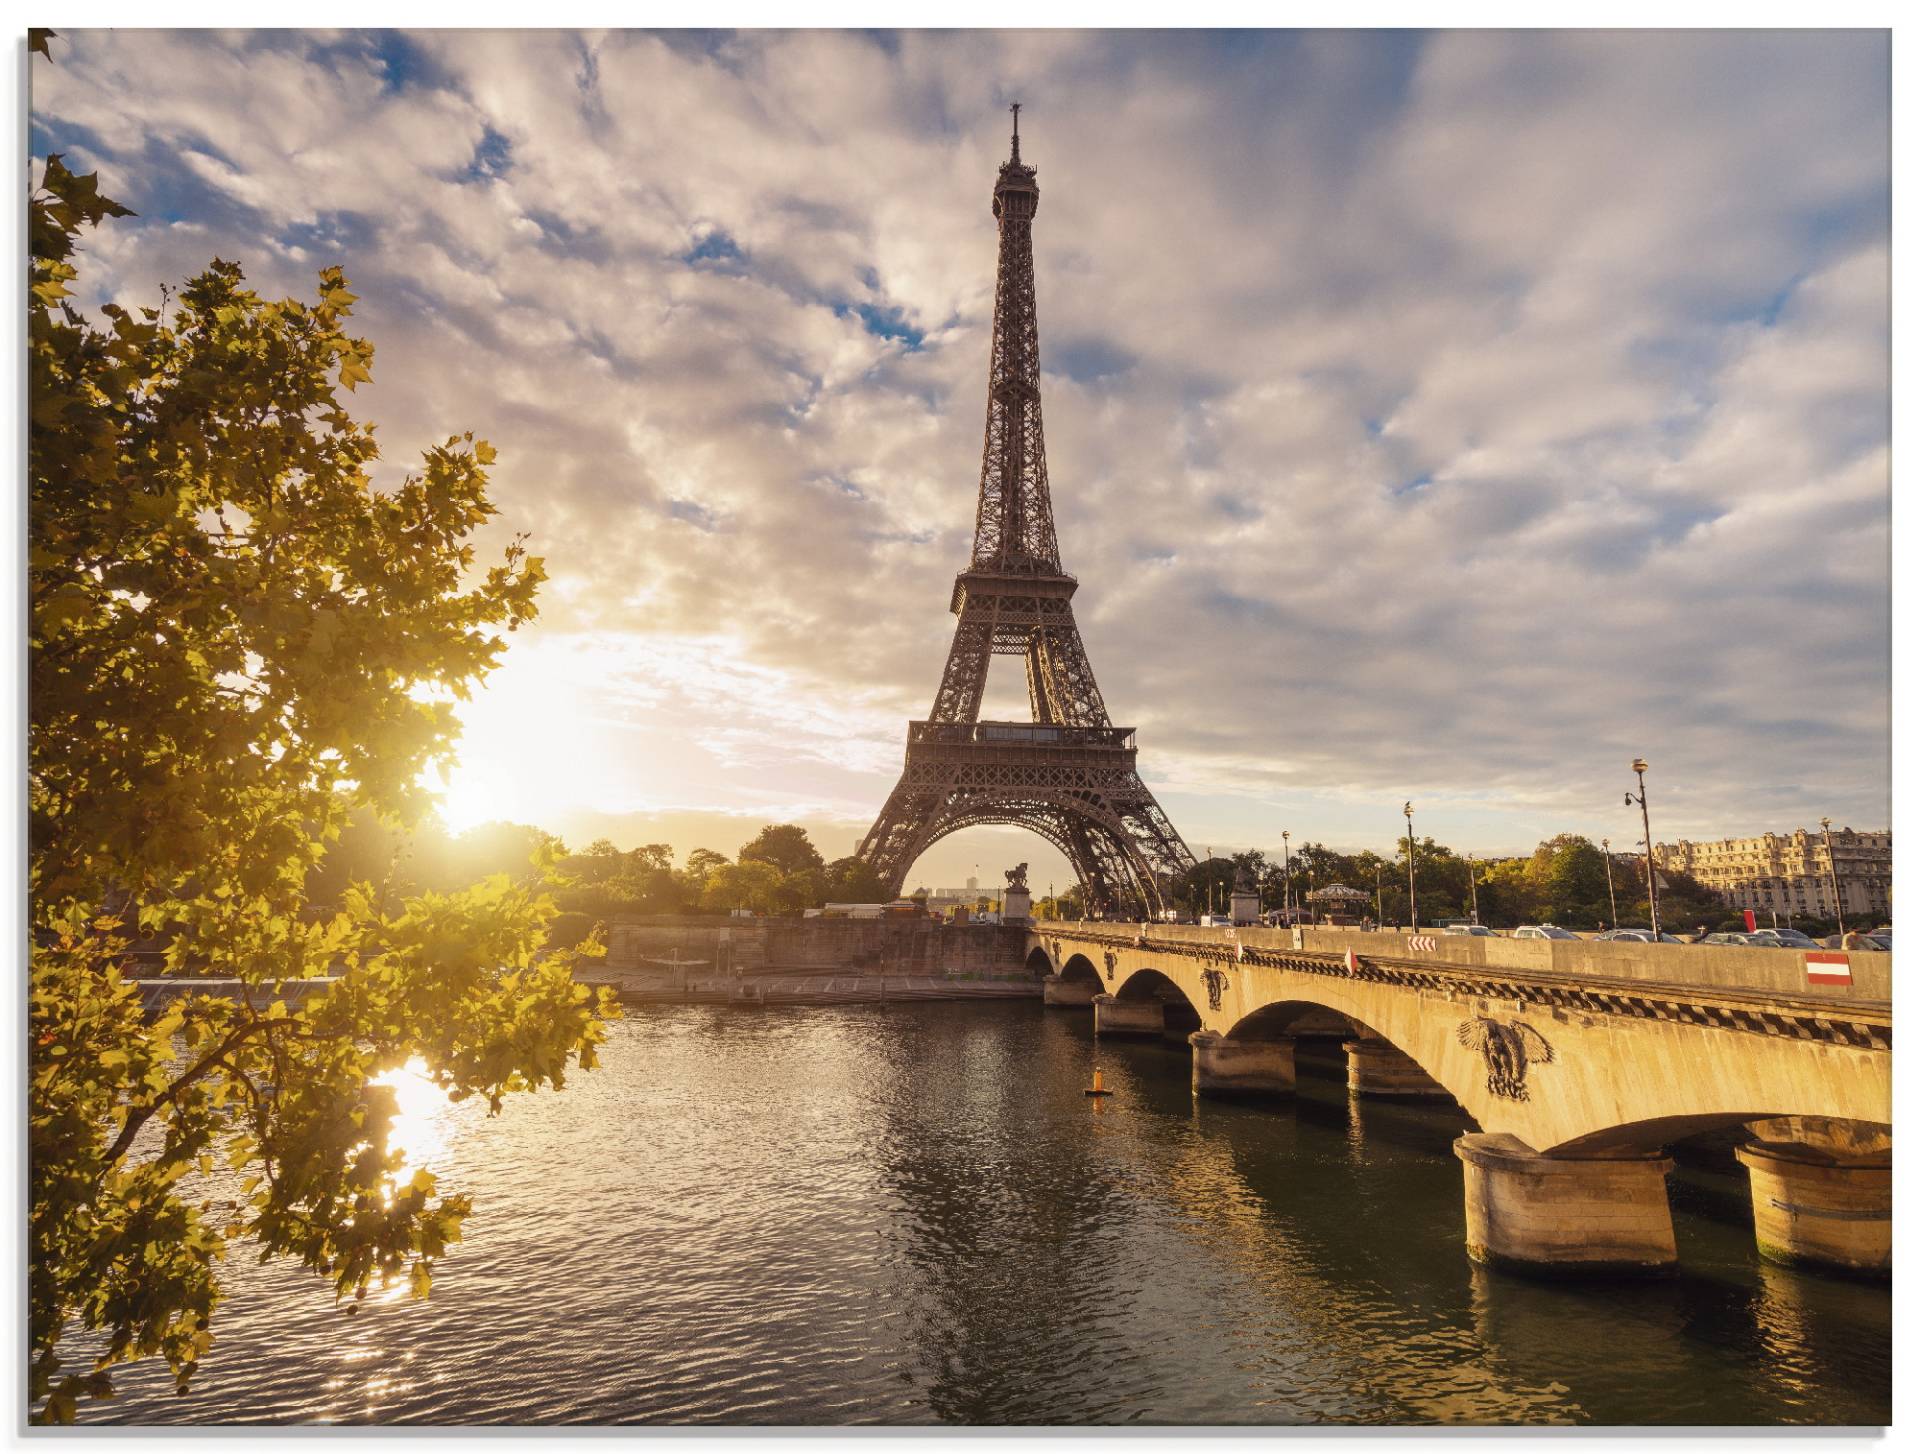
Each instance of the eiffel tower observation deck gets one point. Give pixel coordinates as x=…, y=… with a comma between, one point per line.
x=1068, y=774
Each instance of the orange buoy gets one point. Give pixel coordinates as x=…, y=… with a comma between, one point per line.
x=1096, y=1089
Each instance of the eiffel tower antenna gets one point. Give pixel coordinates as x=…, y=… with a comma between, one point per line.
x=1068, y=774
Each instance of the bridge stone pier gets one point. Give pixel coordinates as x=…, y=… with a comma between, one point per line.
x=1579, y=1064
x=1241, y=1067
x=1375, y=1068
x=1115, y=1016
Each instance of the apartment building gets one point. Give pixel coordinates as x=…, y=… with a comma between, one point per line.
x=1787, y=872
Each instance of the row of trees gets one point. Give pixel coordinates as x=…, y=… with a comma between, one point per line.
x=1563, y=881
x=777, y=871
x=780, y=871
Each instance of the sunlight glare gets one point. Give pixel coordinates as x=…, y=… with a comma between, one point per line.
x=420, y=1126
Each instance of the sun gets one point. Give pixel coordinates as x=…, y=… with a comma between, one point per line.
x=469, y=797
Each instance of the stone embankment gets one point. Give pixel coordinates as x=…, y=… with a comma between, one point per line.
x=698, y=960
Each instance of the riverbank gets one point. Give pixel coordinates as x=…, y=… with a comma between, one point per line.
x=805, y=987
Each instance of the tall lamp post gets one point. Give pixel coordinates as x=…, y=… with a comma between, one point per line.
x=1286, y=880
x=1833, y=878
x=1653, y=894
x=1613, y=907
x=1413, y=904
x=1473, y=884
x=1379, y=909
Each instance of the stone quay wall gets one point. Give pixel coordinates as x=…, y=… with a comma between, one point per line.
x=754, y=947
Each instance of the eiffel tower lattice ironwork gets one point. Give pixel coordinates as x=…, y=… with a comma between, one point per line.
x=1069, y=774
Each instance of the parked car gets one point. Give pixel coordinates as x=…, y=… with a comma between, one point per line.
x=1792, y=938
x=1854, y=939
x=1476, y=931
x=1542, y=931
x=1638, y=936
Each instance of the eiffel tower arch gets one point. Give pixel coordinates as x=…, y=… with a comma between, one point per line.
x=1068, y=774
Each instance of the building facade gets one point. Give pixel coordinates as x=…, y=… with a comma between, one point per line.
x=1787, y=873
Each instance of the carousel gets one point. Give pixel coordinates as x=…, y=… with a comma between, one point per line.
x=1338, y=906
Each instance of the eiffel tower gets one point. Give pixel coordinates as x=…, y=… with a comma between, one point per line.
x=1068, y=774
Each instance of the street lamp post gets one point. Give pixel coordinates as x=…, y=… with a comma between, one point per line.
x=1413, y=904
x=1379, y=909
x=1286, y=880
x=1613, y=906
x=1833, y=878
x=1653, y=893
x=1473, y=885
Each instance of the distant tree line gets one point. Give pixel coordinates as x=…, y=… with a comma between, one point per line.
x=1563, y=881
x=777, y=871
x=780, y=872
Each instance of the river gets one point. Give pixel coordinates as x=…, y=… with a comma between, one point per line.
x=912, y=1214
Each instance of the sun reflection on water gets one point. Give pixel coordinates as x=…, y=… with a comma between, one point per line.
x=420, y=1125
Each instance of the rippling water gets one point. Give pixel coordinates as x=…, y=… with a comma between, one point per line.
x=910, y=1213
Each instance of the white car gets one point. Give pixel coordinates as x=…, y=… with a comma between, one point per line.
x=1542, y=931
x=1477, y=931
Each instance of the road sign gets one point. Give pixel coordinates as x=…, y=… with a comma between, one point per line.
x=1828, y=968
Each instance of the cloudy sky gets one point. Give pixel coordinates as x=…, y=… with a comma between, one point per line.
x=1449, y=417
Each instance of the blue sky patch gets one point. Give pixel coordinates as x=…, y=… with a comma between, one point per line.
x=493, y=157
x=694, y=514
x=888, y=323
x=715, y=247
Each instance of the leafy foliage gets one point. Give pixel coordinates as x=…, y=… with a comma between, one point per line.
x=854, y=881
x=236, y=642
x=785, y=846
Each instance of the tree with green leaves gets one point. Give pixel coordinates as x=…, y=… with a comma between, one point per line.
x=703, y=861
x=752, y=885
x=853, y=880
x=1571, y=875
x=236, y=642
x=785, y=846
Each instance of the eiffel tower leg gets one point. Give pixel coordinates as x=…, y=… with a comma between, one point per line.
x=1070, y=685
x=892, y=844
x=964, y=682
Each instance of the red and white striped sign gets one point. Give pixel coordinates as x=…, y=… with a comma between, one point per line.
x=1353, y=962
x=1828, y=968
x=1421, y=943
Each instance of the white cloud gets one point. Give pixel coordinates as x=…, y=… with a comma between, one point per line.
x=1453, y=417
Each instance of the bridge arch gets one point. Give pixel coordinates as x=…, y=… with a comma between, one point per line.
x=1039, y=962
x=1284, y=1019
x=1148, y=983
x=1078, y=966
x=1093, y=840
x=1657, y=1133
x=1385, y=1057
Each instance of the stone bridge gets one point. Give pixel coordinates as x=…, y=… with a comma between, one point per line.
x=1579, y=1062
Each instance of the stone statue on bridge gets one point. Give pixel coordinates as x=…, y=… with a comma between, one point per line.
x=1017, y=877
